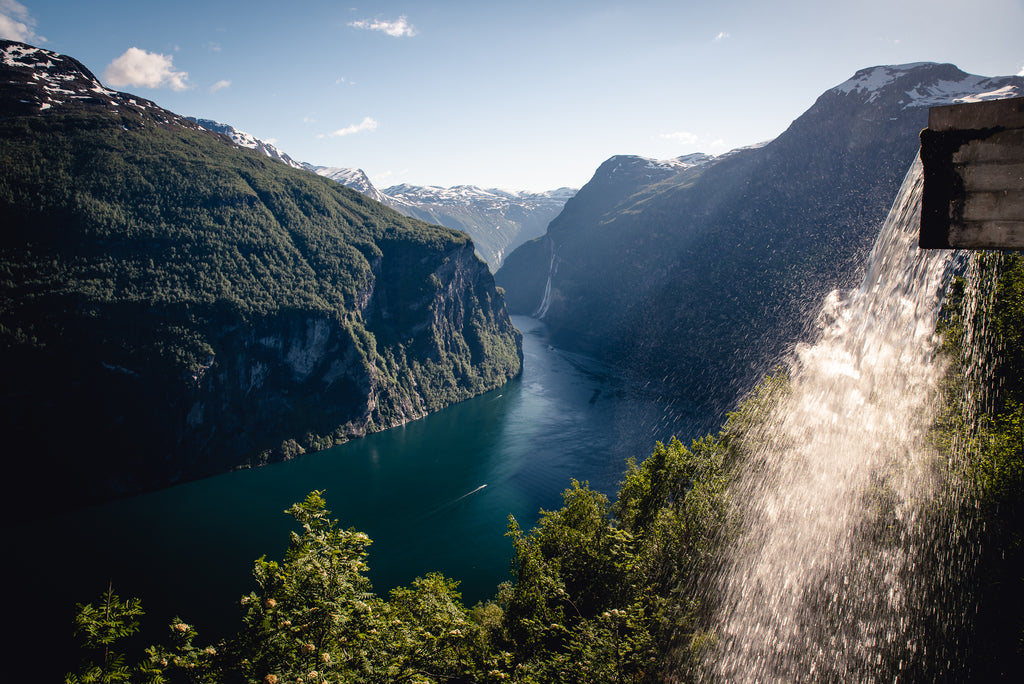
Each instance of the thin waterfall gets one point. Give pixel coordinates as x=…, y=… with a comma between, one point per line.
x=824, y=582
x=545, y=301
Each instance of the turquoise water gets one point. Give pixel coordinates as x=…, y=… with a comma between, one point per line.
x=434, y=495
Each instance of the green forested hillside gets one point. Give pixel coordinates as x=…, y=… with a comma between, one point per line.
x=177, y=306
x=984, y=425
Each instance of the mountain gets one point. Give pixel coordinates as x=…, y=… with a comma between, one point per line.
x=173, y=305
x=498, y=221
x=352, y=178
x=699, y=279
x=243, y=139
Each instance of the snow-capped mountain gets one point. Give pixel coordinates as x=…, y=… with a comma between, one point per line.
x=462, y=195
x=36, y=80
x=353, y=178
x=497, y=220
x=156, y=263
x=243, y=139
x=933, y=84
x=656, y=168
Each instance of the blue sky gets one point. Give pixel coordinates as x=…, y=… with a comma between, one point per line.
x=520, y=95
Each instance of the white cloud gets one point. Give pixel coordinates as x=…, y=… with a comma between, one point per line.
x=148, y=69
x=1021, y=72
x=693, y=140
x=384, y=177
x=681, y=137
x=367, y=124
x=220, y=85
x=398, y=28
x=16, y=23
x=722, y=36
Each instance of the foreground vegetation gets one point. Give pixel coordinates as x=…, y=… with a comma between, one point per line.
x=602, y=591
x=984, y=427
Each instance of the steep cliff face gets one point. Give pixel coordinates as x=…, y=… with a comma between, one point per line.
x=173, y=306
x=303, y=380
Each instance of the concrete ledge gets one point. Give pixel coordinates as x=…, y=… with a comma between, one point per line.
x=973, y=158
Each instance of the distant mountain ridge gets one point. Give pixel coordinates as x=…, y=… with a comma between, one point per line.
x=352, y=178
x=251, y=142
x=497, y=220
x=699, y=279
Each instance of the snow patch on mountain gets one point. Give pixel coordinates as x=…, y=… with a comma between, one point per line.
x=930, y=84
x=872, y=80
x=656, y=167
x=467, y=195
x=953, y=92
x=352, y=178
x=249, y=141
x=38, y=80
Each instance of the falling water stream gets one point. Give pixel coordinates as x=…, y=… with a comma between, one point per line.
x=826, y=580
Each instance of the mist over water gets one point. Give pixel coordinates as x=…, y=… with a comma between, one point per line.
x=831, y=576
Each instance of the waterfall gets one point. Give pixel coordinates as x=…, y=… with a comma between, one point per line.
x=545, y=301
x=824, y=581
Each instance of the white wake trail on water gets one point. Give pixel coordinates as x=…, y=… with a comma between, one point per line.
x=844, y=455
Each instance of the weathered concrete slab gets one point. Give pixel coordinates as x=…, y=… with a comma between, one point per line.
x=973, y=157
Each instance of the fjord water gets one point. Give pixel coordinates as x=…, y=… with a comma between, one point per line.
x=433, y=495
x=827, y=579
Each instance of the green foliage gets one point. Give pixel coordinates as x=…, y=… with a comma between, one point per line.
x=315, y=600
x=604, y=592
x=100, y=628
x=313, y=618
x=983, y=427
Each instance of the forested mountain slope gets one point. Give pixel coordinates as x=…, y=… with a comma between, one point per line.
x=173, y=306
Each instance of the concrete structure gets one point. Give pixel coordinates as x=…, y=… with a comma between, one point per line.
x=973, y=157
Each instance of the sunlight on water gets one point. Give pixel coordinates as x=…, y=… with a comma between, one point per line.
x=822, y=583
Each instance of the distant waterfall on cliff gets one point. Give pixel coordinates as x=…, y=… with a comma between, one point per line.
x=831, y=576
x=545, y=301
